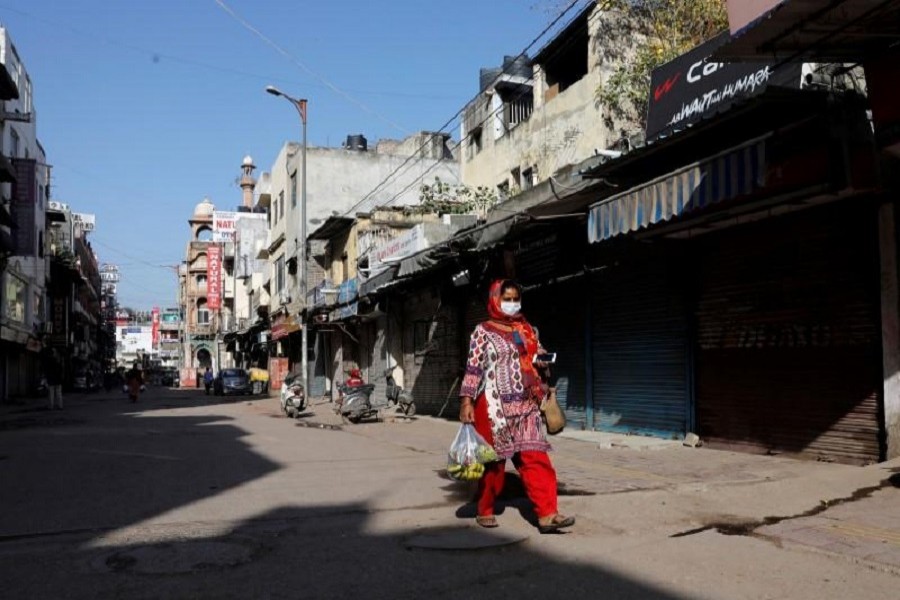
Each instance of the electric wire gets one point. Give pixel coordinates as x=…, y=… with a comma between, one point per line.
x=250, y=27
x=481, y=124
x=451, y=120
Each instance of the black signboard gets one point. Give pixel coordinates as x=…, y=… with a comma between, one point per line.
x=691, y=87
x=24, y=205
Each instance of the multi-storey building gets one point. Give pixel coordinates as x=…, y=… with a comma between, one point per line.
x=25, y=187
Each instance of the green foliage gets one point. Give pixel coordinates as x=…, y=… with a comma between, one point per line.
x=670, y=28
x=445, y=198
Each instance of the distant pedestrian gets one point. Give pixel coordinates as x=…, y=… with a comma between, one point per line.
x=501, y=394
x=208, y=380
x=134, y=380
x=54, y=376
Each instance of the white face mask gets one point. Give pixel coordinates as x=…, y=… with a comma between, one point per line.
x=511, y=309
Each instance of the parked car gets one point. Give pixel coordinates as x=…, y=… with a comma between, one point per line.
x=231, y=381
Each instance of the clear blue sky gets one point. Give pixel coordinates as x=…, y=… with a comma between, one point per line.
x=146, y=107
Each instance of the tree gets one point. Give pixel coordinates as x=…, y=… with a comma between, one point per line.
x=670, y=28
x=445, y=198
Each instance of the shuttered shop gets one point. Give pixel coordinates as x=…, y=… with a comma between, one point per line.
x=640, y=345
x=375, y=361
x=431, y=350
x=559, y=313
x=788, y=335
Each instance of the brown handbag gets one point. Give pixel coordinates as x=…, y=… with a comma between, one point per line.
x=554, y=417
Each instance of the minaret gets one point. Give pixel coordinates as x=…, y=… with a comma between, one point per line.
x=247, y=182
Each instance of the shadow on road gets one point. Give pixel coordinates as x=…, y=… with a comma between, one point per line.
x=328, y=551
x=78, y=522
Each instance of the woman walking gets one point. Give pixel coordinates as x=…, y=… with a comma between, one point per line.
x=501, y=394
x=135, y=381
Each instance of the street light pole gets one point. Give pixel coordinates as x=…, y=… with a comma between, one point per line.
x=300, y=105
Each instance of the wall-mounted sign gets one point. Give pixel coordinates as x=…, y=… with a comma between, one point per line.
x=214, y=277
x=224, y=225
x=409, y=242
x=155, y=323
x=691, y=87
x=84, y=220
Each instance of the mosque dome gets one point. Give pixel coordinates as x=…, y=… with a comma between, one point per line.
x=204, y=210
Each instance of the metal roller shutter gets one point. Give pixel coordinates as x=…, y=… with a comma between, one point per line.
x=559, y=314
x=640, y=346
x=431, y=350
x=375, y=363
x=788, y=334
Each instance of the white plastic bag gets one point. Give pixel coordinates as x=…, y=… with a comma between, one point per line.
x=468, y=454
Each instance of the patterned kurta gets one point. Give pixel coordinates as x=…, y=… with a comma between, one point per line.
x=494, y=375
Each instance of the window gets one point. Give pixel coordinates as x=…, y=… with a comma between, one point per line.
x=527, y=179
x=14, y=298
x=567, y=64
x=294, y=189
x=201, y=282
x=40, y=244
x=503, y=191
x=279, y=274
x=516, y=177
x=517, y=108
x=275, y=212
x=202, y=312
x=475, y=141
x=204, y=234
x=281, y=204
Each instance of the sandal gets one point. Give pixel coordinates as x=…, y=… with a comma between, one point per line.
x=487, y=521
x=556, y=523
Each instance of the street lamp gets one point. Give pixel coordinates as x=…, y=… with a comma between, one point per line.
x=300, y=105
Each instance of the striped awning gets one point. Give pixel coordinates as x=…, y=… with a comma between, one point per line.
x=734, y=173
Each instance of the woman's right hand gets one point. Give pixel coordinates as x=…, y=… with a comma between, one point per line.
x=467, y=411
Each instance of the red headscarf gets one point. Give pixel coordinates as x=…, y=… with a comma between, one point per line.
x=520, y=326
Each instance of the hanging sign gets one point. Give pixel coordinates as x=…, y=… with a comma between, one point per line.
x=214, y=277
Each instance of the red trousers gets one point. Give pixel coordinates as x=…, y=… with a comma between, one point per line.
x=537, y=473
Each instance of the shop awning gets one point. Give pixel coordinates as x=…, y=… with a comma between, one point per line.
x=817, y=30
x=373, y=284
x=731, y=174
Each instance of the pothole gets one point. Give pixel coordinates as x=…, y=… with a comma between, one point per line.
x=188, y=556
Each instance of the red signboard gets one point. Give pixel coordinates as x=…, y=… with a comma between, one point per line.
x=155, y=322
x=278, y=369
x=188, y=377
x=214, y=277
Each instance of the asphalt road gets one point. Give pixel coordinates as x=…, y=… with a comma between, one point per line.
x=187, y=496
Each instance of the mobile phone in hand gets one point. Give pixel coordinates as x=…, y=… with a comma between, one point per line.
x=549, y=358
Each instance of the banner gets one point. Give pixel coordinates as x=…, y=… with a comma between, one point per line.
x=278, y=370
x=155, y=322
x=214, y=277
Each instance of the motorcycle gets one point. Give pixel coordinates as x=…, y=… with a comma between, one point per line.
x=356, y=401
x=397, y=395
x=293, y=397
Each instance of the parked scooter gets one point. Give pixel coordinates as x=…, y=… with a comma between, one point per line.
x=397, y=395
x=293, y=397
x=357, y=404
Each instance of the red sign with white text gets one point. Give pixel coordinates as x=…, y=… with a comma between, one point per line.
x=214, y=277
x=155, y=322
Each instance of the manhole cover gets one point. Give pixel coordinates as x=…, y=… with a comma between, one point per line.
x=182, y=557
x=463, y=539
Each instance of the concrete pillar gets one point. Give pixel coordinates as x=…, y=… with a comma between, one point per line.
x=890, y=327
